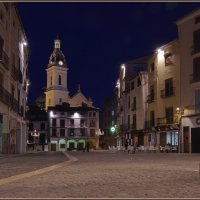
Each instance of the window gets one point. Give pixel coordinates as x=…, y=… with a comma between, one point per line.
x=168, y=59
x=134, y=103
x=30, y=125
x=1, y=46
x=152, y=118
x=196, y=69
x=62, y=132
x=196, y=41
x=54, y=132
x=71, y=133
x=60, y=100
x=62, y=123
x=94, y=114
x=53, y=122
x=12, y=90
x=132, y=85
x=152, y=67
x=113, y=112
x=1, y=79
x=1, y=15
x=152, y=92
x=49, y=101
x=197, y=101
x=169, y=87
x=92, y=123
x=129, y=102
x=82, y=132
x=90, y=114
x=72, y=122
x=82, y=122
x=128, y=120
x=51, y=81
x=169, y=115
x=42, y=126
x=138, y=81
x=134, y=122
x=59, y=80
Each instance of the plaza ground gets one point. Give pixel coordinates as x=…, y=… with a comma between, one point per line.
x=103, y=174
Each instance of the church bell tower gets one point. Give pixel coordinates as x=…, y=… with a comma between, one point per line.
x=56, y=89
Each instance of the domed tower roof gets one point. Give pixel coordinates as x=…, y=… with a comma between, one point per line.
x=57, y=57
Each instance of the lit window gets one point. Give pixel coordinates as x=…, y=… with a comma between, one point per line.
x=113, y=112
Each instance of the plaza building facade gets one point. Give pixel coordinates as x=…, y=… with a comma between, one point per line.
x=73, y=121
x=189, y=111
x=131, y=89
x=164, y=96
x=14, y=80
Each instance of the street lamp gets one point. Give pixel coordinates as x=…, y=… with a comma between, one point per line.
x=35, y=134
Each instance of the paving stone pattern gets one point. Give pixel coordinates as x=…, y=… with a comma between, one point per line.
x=110, y=174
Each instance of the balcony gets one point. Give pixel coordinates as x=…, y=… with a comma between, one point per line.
x=150, y=98
x=4, y=60
x=164, y=121
x=167, y=92
x=133, y=107
x=194, y=78
x=8, y=99
x=149, y=124
x=195, y=49
x=124, y=127
x=14, y=73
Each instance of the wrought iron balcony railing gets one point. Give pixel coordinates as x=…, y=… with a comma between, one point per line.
x=167, y=92
x=4, y=59
x=150, y=98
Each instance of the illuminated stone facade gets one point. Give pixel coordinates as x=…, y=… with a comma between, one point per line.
x=14, y=80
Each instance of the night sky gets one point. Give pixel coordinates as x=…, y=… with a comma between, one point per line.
x=96, y=38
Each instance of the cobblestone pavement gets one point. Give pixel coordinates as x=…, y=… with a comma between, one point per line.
x=109, y=174
x=11, y=165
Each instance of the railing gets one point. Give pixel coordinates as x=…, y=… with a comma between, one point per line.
x=14, y=73
x=149, y=123
x=194, y=78
x=150, y=98
x=164, y=120
x=4, y=59
x=133, y=107
x=8, y=99
x=124, y=127
x=167, y=92
x=195, y=49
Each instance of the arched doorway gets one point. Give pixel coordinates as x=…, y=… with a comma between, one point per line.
x=71, y=144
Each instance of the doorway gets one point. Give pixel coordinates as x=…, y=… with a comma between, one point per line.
x=195, y=140
x=186, y=139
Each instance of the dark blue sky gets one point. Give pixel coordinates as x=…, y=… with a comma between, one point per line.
x=95, y=39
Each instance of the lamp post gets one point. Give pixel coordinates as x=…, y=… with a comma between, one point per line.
x=180, y=113
x=35, y=134
x=98, y=133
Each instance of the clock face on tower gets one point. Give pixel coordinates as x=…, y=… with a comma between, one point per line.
x=60, y=62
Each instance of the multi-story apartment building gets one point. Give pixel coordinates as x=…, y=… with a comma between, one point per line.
x=73, y=121
x=109, y=121
x=138, y=107
x=126, y=116
x=164, y=95
x=14, y=80
x=189, y=108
